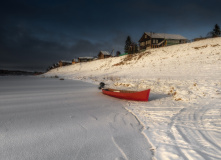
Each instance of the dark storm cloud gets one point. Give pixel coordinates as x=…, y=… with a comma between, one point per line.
x=37, y=33
x=190, y=18
x=19, y=46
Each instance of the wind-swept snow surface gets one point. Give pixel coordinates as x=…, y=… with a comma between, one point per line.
x=42, y=118
x=183, y=117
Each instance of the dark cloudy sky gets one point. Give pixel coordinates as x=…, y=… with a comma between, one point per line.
x=37, y=33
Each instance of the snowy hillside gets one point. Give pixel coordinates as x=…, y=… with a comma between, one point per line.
x=182, y=119
x=180, y=69
x=185, y=60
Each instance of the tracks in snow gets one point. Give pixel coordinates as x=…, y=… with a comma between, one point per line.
x=181, y=130
x=195, y=129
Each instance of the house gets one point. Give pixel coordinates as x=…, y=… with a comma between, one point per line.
x=74, y=61
x=156, y=40
x=64, y=63
x=198, y=39
x=103, y=54
x=132, y=48
x=123, y=54
x=85, y=59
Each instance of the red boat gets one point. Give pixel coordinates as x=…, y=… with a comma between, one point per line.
x=130, y=95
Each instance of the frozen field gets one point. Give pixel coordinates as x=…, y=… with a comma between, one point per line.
x=46, y=118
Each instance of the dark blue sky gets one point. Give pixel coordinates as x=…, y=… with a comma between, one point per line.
x=35, y=34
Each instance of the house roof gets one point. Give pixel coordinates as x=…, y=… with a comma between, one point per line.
x=164, y=35
x=63, y=61
x=85, y=57
x=105, y=53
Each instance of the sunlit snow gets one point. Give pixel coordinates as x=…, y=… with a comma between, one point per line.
x=182, y=120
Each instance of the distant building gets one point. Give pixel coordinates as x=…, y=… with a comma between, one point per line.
x=74, y=61
x=103, y=54
x=198, y=39
x=156, y=40
x=64, y=63
x=123, y=54
x=85, y=59
x=132, y=48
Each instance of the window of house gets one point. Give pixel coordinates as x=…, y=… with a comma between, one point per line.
x=143, y=44
x=154, y=41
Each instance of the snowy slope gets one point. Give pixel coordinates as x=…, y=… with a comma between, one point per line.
x=191, y=59
x=183, y=117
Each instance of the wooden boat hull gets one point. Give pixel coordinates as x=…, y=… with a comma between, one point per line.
x=129, y=95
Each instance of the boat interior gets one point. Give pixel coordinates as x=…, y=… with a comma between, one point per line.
x=122, y=91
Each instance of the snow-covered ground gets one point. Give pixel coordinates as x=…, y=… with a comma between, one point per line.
x=51, y=119
x=182, y=120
